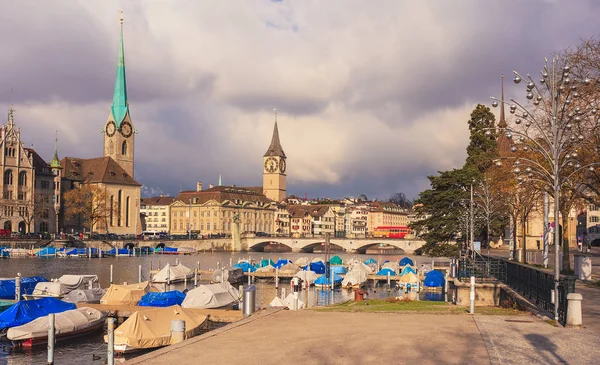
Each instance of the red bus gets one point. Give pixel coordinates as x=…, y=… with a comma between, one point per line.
x=5, y=233
x=391, y=231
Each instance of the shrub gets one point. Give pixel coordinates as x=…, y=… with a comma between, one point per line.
x=439, y=250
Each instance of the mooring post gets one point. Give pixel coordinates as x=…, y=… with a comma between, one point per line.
x=389, y=279
x=230, y=261
x=241, y=299
x=139, y=273
x=276, y=278
x=18, y=287
x=249, y=276
x=111, y=273
x=111, y=341
x=177, y=331
x=472, y=296
x=283, y=293
x=51, y=340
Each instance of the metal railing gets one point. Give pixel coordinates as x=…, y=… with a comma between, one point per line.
x=533, y=284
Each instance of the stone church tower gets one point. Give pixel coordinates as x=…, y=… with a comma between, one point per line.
x=119, y=133
x=274, y=178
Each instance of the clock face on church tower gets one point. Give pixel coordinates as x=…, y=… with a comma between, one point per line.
x=271, y=164
x=126, y=129
x=111, y=128
x=282, y=165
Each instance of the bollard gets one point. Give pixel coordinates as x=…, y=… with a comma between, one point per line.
x=472, y=296
x=111, y=273
x=389, y=279
x=574, y=310
x=241, y=299
x=139, y=273
x=283, y=293
x=18, y=288
x=195, y=277
x=198, y=265
x=168, y=274
x=296, y=286
x=177, y=331
x=276, y=278
x=51, y=339
x=89, y=253
x=332, y=279
x=230, y=262
x=249, y=300
x=453, y=268
x=99, y=253
x=111, y=341
x=249, y=277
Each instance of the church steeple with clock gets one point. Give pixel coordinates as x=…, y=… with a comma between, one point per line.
x=119, y=133
x=274, y=178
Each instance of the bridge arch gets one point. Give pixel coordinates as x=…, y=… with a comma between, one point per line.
x=320, y=247
x=129, y=245
x=269, y=246
x=160, y=245
x=393, y=247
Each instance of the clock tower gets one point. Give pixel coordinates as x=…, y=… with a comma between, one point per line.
x=119, y=133
x=274, y=168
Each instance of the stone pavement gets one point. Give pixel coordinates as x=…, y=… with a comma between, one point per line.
x=312, y=337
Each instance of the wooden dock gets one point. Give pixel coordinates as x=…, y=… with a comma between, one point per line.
x=125, y=311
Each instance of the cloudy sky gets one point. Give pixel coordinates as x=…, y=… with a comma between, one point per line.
x=372, y=96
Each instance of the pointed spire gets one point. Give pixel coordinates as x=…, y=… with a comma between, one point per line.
x=55, y=163
x=11, y=110
x=220, y=180
x=502, y=123
x=275, y=148
x=120, y=105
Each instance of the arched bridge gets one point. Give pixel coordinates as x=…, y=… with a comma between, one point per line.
x=358, y=245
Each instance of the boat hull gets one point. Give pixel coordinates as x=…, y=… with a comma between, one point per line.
x=39, y=341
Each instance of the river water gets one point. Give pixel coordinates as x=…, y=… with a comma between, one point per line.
x=92, y=350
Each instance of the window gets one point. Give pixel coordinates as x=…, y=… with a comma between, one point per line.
x=111, y=148
x=43, y=184
x=594, y=219
x=119, y=206
x=127, y=212
x=8, y=177
x=112, y=204
x=22, y=195
x=124, y=148
x=23, y=178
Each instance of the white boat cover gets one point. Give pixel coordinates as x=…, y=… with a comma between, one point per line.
x=125, y=294
x=173, y=273
x=85, y=296
x=289, y=268
x=289, y=302
x=73, y=282
x=151, y=328
x=211, y=296
x=391, y=265
x=65, y=322
x=50, y=289
x=302, y=261
x=186, y=250
x=355, y=277
x=359, y=266
x=277, y=302
x=309, y=276
x=409, y=278
x=268, y=268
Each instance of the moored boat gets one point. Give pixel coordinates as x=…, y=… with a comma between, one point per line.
x=173, y=274
x=69, y=324
x=151, y=328
x=25, y=311
x=211, y=296
x=62, y=286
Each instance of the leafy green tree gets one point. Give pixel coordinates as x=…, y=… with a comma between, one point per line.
x=482, y=149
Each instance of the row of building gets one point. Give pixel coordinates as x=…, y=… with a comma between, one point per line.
x=214, y=210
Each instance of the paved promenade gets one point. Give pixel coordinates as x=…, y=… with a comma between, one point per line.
x=312, y=337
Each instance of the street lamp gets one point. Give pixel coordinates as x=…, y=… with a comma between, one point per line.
x=549, y=133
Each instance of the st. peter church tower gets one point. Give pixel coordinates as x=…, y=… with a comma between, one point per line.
x=119, y=133
x=274, y=178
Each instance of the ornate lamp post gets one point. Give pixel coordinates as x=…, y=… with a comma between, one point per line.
x=548, y=133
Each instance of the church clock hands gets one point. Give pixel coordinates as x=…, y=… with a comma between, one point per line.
x=126, y=129
x=271, y=164
x=110, y=128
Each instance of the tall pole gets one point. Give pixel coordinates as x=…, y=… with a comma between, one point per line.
x=190, y=219
x=472, y=226
x=546, y=231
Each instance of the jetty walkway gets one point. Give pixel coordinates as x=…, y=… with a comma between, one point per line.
x=276, y=336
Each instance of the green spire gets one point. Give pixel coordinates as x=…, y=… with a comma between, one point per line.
x=120, y=105
x=220, y=180
x=55, y=163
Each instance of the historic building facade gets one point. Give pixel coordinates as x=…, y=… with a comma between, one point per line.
x=113, y=173
x=156, y=213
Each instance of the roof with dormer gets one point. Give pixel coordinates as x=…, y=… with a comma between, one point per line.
x=221, y=194
x=275, y=148
x=96, y=170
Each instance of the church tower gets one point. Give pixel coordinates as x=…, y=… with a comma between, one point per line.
x=501, y=140
x=119, y=133
x=274, y=178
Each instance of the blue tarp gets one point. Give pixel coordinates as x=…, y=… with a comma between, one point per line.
x=265, y=262
x=170, y=249
x=338, y=269
x=317, y=267
x=4, y=253
x=434, y=278
x=26, y=311
x=164, y=299
x=370, y=260
x=280, y=263
x=406, y=261
x=322, y=280
x=408, y=269
x=48, y=251
x=120, y=252
x=244, y=266
x=7, y=287
x=82, y=251
x=385, y=271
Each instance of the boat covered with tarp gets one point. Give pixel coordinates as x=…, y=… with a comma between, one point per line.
x=354, y=279
x=408, y=269
x=323, y=280
x=406, y=261
x=265, y=262
x=162, y=299
x=281, y=262
x=62, y=286
x=289, y=268
x=307, y=276
x=391, y=265
x=318, y=267
x=232, y=275
x=386, y=271
x=25, y=311
x=409, y=279
x=167, y=250
x=173, y=274
x=211, y=296
x=47, y=252
x=82, y=252
x=126, y=294
x=118, y=252
x=85, y=295
x=151, y=328
x=68, y=324
x=336, y=260
x=370, y=260
x=302, y=261
x=4, y=252
x=434, y=279
x=4, y=304
x=245, y=266
x=338, y=269
x=7, y=286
